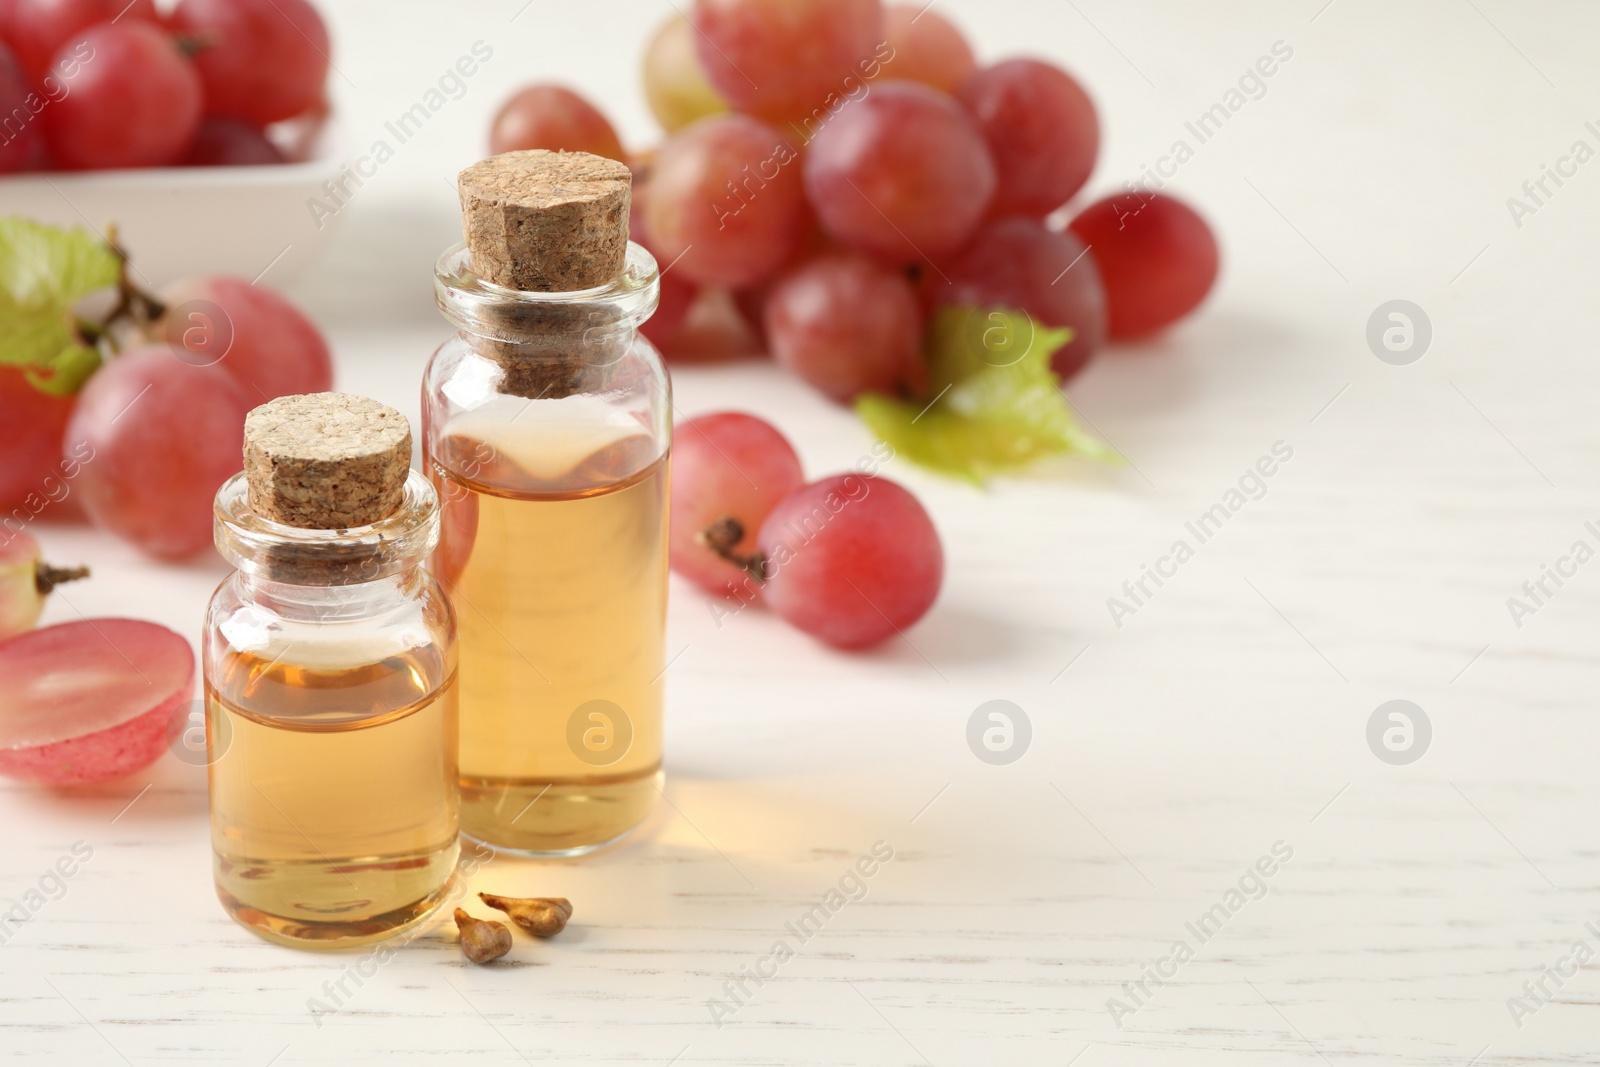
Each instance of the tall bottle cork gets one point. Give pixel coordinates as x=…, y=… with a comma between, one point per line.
x=326, y=461
x=547, y=222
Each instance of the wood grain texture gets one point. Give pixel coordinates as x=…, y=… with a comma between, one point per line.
x=1170, y=753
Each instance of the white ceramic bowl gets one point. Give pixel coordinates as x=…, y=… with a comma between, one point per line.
x=176, y=221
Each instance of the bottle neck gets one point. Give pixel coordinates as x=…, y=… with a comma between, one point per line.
x=336, y=571
x=549, y=345
x=354, y=602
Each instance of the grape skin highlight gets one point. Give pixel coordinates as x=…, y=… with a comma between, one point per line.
x=852, y=560
x=901, y=174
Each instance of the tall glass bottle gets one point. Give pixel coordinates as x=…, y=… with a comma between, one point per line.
x=330, y=678
x=546, y=431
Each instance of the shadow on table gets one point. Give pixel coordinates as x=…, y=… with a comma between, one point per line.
x=1170, y=371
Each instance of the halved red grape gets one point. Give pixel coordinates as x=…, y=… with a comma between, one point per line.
x=1157, y=258
x=556, y=118
x=38, y=28
x=726, y=196
x=165, y=436
x=230, y=143
x=135, y=104
x=249, y=331
x=263, y=60
x=30, y=445
x=928, y=48
x=847, y=325
x=851, y=560
x=901, y=174
x=1041, y=127
x=1018, y=263
x=90, y=700
x=780, y=59
x=732, y=465
x=674, y=82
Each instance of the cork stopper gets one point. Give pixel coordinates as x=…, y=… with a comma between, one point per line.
x=546, y=222
x=326, y=461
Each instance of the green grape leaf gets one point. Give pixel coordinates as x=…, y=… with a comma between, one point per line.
x=44, y=272
x=998, y=406
x=66, y=373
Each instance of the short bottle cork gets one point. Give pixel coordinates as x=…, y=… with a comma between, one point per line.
x=326, y=461
x=546, y=222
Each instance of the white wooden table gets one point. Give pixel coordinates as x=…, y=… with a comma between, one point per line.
x=1169, y=755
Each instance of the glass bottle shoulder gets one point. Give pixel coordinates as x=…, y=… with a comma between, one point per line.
x=328, y=661
x=545, y=393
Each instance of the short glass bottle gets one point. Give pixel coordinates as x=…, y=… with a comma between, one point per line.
x=546, y=429
x=330, y=677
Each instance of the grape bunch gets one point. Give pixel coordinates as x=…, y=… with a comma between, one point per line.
x=842, y=169
x=143, y=444
x=103, y=84
x=851, y=559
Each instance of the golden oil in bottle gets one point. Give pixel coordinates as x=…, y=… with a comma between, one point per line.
x=556, y=567
x=333, y=793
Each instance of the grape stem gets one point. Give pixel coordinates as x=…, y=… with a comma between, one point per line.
x=721, y=536
x=132, y=303
x=192, y=44
x=46, y=577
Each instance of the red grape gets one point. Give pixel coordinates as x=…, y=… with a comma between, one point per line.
x=556, y=118
x=1042, y=129
x=1017, y=263
x=725, y=465
x=20, y=599
x=847, y=325
x=90, y=700
x=22, y=144
x=752, y=299
x=677, y=297
x=713, y=331
x=30, y=445
x=851, y=560
x=928, y=48
x=263, y=60
x=677, y=292
x=674, y=82
x=726, y=196
x=230, y=143
x=1158, y=259
x=250, y=332
x=25, y=581
x=780, y=59
x=751, y=303
x=135, y=104
x=901, y=174
x=165, y=435
x=38, y=28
